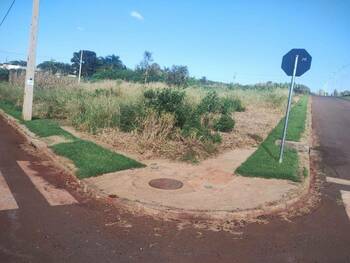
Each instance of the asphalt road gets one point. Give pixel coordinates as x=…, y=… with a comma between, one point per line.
x=35, y=230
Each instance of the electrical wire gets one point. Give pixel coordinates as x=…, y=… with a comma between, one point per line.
x=8, y=11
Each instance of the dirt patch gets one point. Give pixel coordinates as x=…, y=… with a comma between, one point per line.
x=252, y=127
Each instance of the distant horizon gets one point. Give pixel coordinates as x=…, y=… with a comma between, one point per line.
x=225, y=42
x=216, y=81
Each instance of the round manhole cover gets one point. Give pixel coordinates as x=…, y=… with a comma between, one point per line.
x=166, y=184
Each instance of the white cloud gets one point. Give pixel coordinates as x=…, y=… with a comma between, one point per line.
x=136, y=15
x=79, y=28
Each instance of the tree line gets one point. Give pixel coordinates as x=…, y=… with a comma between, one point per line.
x=112, y=67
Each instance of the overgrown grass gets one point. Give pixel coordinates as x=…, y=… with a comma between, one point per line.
x=89, y=158
x=264, y=161
x=92, y=160
x=40, y=127
x=200, y=113
x=11, y=109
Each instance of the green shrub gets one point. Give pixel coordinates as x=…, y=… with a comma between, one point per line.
x=123, y=74
x=195, y=121
x=194, y=128
x=216, y=138
x=229, y=105
x=225, y=123
x=129, y=114
x=168, y=100
x=210, y=103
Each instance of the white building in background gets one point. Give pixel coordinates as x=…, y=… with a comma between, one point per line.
x=9, y=67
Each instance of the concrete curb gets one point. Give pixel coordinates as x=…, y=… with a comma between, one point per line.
x=162, y=212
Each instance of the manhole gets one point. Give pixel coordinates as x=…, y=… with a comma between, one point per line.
x=166, y=184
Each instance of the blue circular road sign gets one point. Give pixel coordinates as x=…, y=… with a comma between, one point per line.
x=304, y=62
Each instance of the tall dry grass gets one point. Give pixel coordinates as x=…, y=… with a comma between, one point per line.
x=97, y=107
x=42, y=80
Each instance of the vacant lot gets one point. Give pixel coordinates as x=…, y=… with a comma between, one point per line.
x=157, y=121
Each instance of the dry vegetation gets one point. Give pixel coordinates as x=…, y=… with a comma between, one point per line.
x=107, y=111
x=261, y=115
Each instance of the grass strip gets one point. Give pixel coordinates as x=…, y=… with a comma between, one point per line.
x=91, y=159
x=264, y=161
x=40, y=127
x=10, y=109
x=47, y=128
x=88, y=157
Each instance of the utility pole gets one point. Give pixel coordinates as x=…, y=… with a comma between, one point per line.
x=30, y=71
x=80, y=65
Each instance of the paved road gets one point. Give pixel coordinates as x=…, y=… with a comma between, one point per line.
x=38, y=227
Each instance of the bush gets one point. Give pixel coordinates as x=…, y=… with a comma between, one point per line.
x=229, y=105
x=225, y=123
x=212, y=103
x=194, y=128
x=168, y=100
x=124, y=74
x=129, y=114
x=212, y=112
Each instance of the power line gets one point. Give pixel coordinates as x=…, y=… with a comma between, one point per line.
x=8, y=11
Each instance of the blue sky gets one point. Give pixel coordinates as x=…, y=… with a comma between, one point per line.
x=227, y=40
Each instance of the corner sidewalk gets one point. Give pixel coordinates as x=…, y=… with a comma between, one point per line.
x=209, y=190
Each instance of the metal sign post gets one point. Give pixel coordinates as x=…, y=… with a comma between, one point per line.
x=288, y=108
x=295, y=63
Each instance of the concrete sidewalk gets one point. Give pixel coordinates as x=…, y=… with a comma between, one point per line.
x=209, y=190
x=210, y=186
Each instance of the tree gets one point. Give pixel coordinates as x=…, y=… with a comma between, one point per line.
x=203, y=80
x=89, y=63
x=145, y=65
x=301, y=89
x=177, y=75
x=155, y=73
x=55, y=67
x=18, y=63
x=345, y=93
x=111, y=62
x=335, y=93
